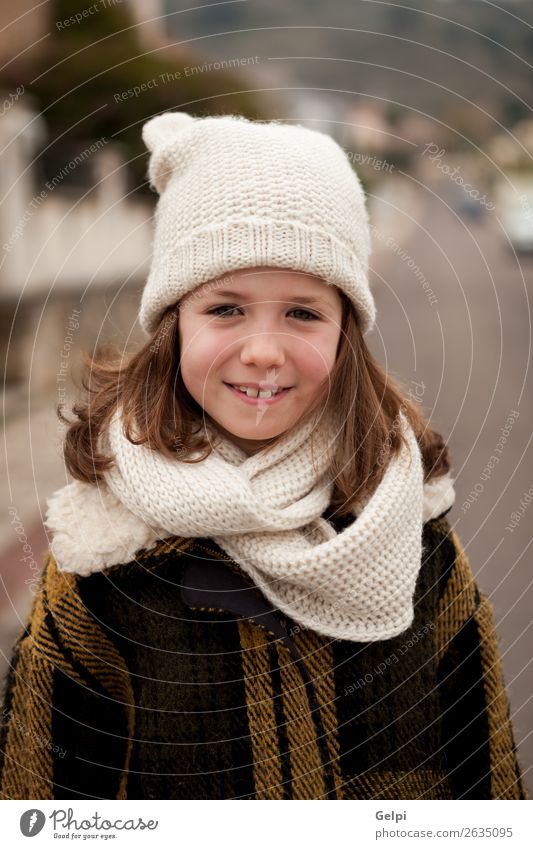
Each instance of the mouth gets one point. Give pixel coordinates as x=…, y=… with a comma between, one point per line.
x=262, y=396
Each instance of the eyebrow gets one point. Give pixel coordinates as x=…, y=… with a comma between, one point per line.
x=299, y=299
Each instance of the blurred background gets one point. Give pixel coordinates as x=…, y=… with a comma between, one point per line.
x=431, y=101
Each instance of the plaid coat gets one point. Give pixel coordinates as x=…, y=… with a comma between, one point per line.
x=171, y=677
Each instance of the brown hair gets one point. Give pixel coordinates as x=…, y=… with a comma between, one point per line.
x=148, y=388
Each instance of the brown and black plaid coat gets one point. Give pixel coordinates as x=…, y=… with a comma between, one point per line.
x=171, y=677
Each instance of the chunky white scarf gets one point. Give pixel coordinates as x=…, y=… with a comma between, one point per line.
x=265, y=512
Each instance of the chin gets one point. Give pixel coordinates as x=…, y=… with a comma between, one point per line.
x=255, y=435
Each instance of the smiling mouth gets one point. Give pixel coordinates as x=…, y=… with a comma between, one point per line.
x=253, y=393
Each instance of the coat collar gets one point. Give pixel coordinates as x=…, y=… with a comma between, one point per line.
x=213, y=584
x=92, y=530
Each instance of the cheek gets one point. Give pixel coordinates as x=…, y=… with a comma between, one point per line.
x=201, y=355
x=315, y=357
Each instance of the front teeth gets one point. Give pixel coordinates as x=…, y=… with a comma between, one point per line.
x=254, y=393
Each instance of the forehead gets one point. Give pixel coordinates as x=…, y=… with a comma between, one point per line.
x=270, y=284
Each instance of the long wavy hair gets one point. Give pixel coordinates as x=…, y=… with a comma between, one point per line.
x=158, y=411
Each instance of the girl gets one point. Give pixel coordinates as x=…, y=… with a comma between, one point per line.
x=252, y=589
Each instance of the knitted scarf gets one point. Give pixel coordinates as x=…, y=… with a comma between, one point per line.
x=265, y=511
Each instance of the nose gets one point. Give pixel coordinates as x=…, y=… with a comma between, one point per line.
x=264, y=350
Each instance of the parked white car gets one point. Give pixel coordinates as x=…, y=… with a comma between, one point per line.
x=515, y=205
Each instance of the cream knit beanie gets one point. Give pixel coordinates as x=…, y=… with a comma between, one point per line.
x=237, y=194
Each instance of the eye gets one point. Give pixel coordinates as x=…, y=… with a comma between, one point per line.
x=227, y=309
x=310, y=314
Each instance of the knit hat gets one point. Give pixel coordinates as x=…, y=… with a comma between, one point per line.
x=236, y=193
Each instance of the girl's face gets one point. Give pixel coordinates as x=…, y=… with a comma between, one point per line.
x=262, y=328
